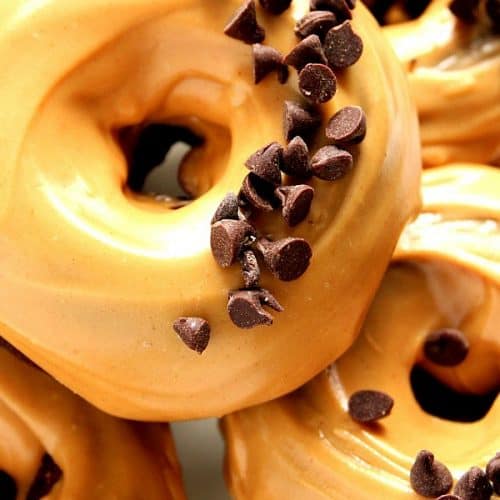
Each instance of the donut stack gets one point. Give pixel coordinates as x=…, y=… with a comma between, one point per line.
x=307, y=248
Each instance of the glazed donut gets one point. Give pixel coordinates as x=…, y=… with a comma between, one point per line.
x=307, y=445
x=95, y=275
x=454, y=74
x=56, y=444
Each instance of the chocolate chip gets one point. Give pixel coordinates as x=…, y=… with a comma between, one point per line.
x=307, y=51
x=465, y=10
x=245, y=307
x=449, y=497
x=288, y=258
x=227, y=209
x=227, y=239
x=47, y=476
x=351, y=3
x=473, y=485
x=250, y=269
x=493, y=11
x=428, y=477
x=266, y=163
x=342, y=46
x=317, y=83
x=369, y=406
x=299, y=121
x=256, y=194
x=339, y=7
x=296, y=202
x=194, y=332
x=296, y=159
x=243, y=25
x=275, y=7
x=446, y=347
x=317, y=23
x=493, y=472
x=266, y=60
x=347, y=126
x=8, y=486
x=331, y=163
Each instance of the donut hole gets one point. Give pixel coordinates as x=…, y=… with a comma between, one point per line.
x=441, y=401
x=155, y=154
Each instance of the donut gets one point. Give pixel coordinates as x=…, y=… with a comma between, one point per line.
x=453, y=68
x=412, y=406
x=98, y=277
x=54, y=443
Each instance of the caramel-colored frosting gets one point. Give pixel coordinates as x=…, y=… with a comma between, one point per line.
x=93, y=277
x=306, y=445
x=100, y=456
x=454, y=75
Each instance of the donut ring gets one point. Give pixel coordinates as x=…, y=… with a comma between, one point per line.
x=306, y=445
x=41, y=422
x=94, y=277
x=453, y=70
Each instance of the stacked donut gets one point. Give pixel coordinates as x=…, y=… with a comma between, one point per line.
x=303, y=173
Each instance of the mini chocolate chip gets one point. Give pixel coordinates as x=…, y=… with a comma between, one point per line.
x=474, y=485
x=266, y=60
x=245, y=307
x=227, y=239
x=250, y=269
x=317, y=83
x=296, y=202
x=493, y=472
x=227, y=209
x=299, y=121
x=47, y=476
x=296, y=159
x=342, y=46
x=8, y=486
x=288, y=258
x=369, y=406
x=428, y=477
x=493, y=11
x=243, y=25
x=331, y=163
x=194, y=332
x=266, y=163
x=275, y=7
x=307, y=51
x=347, y=126
x=339, y=7
x=351, y=3
x=317, y=23
x=465, y=10
x=446, y=347
x=256, y=194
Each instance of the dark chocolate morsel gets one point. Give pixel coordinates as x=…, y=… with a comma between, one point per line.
x=266, y=163
x=446, y=347
x=342, y=46
x=296, y=159
x=473, y=485
x=257, y=194
x=266, y=60
x=227, y=239
x=317, y=83
x=296, y=202
x=307, y=51
x=428, y=477
x=8, y=486
x=339, y=7
x=347, y=126
x=47, y=476
x=288, y=258
x=243, y=25
x=250, y=269
x=275, y=7
x=465, y=10
x=299, y=121
x=493, y=472
x=227, y=209
x=317, y=23
x=369, y=406
x=194, y=332
x=331, y=163
x=245, y=307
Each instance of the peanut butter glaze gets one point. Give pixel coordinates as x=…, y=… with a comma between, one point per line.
x=94, y=277
x=306, y=445
x=100, y=456
x=454, y=74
